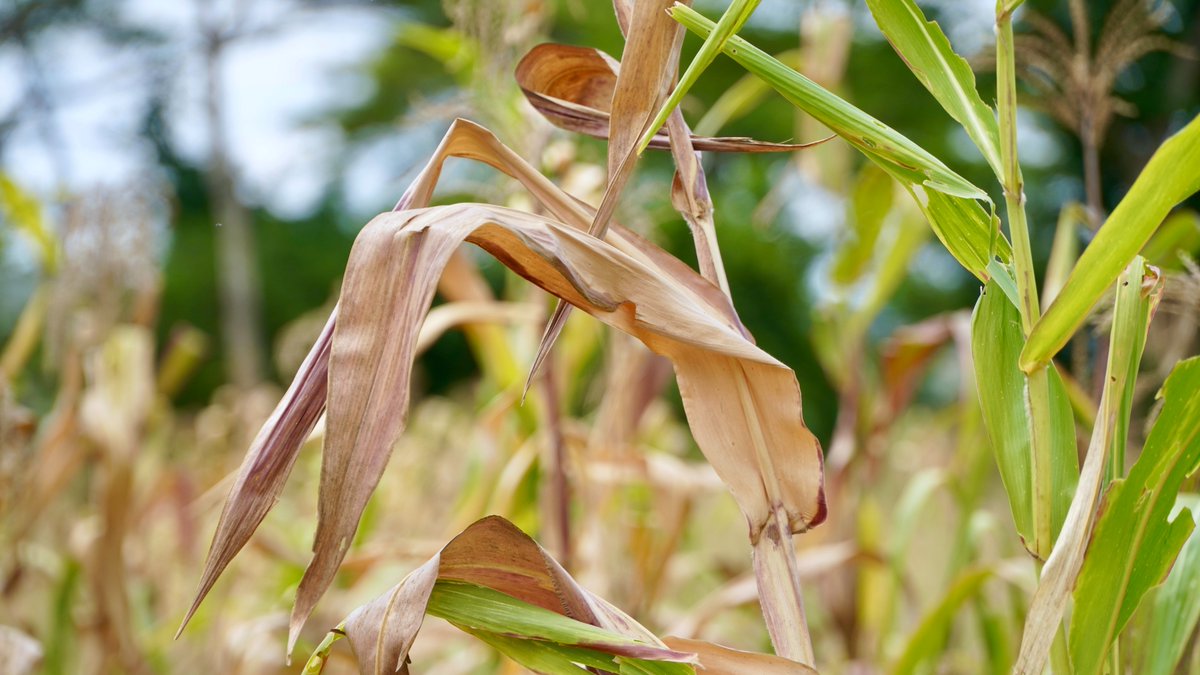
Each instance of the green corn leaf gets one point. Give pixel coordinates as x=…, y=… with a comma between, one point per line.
x=477, y=610
x=1135, y=543
x=946, y=198
x=1135, y=306
x=1172, y=175
x=945, y=74
x=1176, y=608
x=547, y=657
x=996, y=342
x=860, y=129
x=968, y=232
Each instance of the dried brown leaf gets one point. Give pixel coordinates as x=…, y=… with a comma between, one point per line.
x=268, y=463
x=373, y=347
x=572, y=87
x=744, y=405
x=718, y=660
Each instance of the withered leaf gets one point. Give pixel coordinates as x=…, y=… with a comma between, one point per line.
x=743, y=405
x=572, y=87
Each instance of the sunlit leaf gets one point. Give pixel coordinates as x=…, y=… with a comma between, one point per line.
x=1172, y=175
x=945, y=74
x=948, y=200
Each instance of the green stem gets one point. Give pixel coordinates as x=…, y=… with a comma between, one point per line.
x=1014, y=186
x=1037, y=389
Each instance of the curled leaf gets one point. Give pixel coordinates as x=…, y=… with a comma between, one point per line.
x=572, y=87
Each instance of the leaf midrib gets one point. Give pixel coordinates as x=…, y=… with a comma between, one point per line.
x=969, y=111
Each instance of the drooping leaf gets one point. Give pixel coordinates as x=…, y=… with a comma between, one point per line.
x=996, y=340
x=651, y=57
x=268, y=463
x=948, y=200
x=1176, y=608
x=1135, y=542
x=945, y=74
x=1134, y=304
x=572, y=87
x=713, y=360
x=625, y=281
x=1171, y=175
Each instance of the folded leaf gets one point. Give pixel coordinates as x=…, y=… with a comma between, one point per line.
x=497, y=584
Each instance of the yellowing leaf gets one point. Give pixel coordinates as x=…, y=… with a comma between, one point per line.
x=1171, y=175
